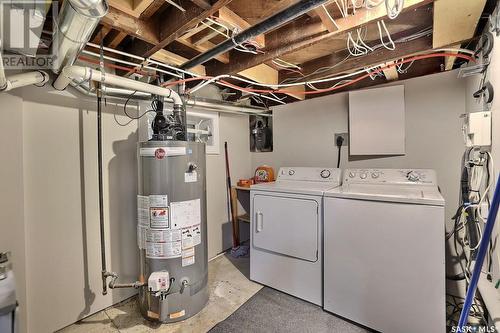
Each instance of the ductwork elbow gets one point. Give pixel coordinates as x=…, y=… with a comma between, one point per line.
x=75, y=26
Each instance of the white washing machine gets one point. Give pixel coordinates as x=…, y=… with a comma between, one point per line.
x=384, y=251
x=287, y=231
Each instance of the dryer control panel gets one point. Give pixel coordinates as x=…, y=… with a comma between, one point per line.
x=310, y=174
x=390, y=176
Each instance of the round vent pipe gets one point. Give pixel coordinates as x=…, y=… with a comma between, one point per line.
x=75, y=25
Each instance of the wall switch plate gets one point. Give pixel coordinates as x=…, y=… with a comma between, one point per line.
x=343, y=135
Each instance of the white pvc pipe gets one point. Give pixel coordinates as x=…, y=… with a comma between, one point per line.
x=84, y=73
x=226, y=108
x=25, y=79
x=3, y=79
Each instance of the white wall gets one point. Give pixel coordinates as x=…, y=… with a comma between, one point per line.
x=234, y=130
x=61, y=207
x=50, y=207
x=12, y=229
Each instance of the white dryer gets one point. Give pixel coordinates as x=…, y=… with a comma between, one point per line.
x=385, y=250
x=287, y=231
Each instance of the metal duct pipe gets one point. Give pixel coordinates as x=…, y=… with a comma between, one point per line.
x=264, y=26
x=77, y=21
x=85, y=73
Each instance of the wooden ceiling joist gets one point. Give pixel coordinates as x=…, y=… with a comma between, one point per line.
x=120, y=36
x=325, y=18
x=142, y=29
x=141, y=5
x=205, y=4
x=176, y=60
x=207, y=34
x=203, y=47
x=283, y=45
x=228, y=16
x=455, y=21
x=391, y=73
x=336, y=61
x=133, y=8
x=177, y=25
x=101, y=34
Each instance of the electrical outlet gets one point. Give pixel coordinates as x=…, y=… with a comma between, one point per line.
x=345, y=136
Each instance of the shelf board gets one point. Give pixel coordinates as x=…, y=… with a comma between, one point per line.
x=241, y=188
x=244, y=218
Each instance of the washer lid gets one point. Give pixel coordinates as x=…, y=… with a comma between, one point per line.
x=424, y=195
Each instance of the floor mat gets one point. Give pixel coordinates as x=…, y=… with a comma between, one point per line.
x=272, y=311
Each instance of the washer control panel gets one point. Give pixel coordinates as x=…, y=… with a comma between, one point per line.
x=390, y=176
x=310, y=174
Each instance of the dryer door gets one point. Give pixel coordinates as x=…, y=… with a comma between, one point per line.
x=286, y=225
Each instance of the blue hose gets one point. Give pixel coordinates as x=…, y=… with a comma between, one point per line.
x=483, y=248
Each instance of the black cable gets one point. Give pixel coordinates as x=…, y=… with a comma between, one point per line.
x=339, y=142
x=125, y=107
x=338, y=158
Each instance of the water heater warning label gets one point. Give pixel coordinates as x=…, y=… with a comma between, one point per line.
x=185, y=213
x=163, y=236
x=188, y=257
x=191, y=177
x=141, y=237
x=158, y=201
x=159, y=218
x=191, y=236
x=163, y=250
x=143, y=210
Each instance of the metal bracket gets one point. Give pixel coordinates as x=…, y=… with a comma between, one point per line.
x=495, y=21
x=473, y=70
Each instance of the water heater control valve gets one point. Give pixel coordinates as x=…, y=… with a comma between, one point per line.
x=159, y=282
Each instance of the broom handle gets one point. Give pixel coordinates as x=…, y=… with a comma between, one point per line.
x=234, y=219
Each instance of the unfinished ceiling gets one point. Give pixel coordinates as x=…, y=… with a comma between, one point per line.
x=312, y=46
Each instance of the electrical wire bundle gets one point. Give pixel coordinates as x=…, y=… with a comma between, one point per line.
x=355, y=43
x=394, y=10
x=454, y=305
x=469, y=220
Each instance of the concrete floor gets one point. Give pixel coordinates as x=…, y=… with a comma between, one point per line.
x=229, y=288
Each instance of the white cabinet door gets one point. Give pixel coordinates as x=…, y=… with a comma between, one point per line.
x=286, y=226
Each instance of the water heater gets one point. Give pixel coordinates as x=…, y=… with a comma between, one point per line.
x=172, y=229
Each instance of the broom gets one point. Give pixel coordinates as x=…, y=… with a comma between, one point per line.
x=237, y=250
